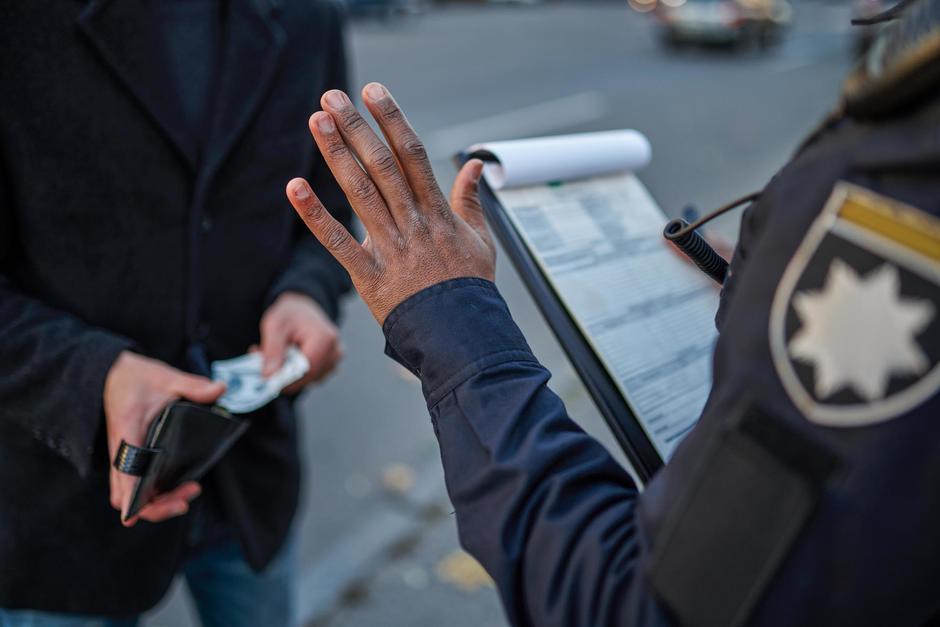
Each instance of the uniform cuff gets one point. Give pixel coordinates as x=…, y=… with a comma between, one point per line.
x=446, y=333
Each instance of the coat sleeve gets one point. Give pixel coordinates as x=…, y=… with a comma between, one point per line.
x=52, y=365
x=312, y=270
x=543, y=506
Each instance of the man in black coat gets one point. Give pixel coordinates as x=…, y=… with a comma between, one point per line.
x=143, y=234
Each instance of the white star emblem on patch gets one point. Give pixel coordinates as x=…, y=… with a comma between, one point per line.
x=858, y=331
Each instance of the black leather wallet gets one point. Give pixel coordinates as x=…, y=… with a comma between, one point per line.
x=182, y=444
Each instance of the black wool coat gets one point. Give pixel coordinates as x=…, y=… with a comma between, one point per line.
x=114, y=235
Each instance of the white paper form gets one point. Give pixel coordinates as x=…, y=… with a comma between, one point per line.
x=564, y=157
x=648, y=314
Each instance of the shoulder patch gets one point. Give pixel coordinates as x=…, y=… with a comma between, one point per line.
x=855, y=322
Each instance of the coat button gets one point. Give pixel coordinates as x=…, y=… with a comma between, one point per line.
x=206, y=224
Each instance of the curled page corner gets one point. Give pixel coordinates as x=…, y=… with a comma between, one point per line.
x=522, y=162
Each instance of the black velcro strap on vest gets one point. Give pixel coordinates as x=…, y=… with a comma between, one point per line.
x=728, y=532
x=134, y=460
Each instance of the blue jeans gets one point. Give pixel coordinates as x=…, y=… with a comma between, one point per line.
x=227, y=593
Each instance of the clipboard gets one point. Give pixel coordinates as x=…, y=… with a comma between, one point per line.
x=618, y=415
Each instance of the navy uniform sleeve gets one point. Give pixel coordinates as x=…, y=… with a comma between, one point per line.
x=543, y=506
x=312, y=270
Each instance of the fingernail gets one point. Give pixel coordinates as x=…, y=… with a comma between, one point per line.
x=335, y=98
x=325, y=123
x=301, y=191
x=477, y=171
x=375, y=92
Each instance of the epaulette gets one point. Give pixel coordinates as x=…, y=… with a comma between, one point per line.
x=902, y=70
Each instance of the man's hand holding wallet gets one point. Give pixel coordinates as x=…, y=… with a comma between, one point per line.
x=163, y=430
x=136, y=390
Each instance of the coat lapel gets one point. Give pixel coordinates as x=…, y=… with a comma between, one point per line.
x=254, y=42
x=128, y=43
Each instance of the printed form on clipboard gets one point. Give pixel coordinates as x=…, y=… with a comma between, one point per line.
x=594, y=234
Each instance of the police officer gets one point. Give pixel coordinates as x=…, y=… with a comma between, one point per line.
x=809, y=492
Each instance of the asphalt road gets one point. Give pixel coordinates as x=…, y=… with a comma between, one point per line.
x=377, y=539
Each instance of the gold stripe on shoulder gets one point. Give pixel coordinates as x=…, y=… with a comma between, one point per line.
x=904, y=225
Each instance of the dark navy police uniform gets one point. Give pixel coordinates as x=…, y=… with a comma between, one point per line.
x=809, y=492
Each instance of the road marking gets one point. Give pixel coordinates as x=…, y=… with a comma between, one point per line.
x=532, y=120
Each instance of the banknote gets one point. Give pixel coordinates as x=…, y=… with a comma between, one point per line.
x=246, y=389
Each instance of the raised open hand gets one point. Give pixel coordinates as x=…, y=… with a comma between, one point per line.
x=415, y=238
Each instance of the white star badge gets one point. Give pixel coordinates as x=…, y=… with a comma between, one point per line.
x=859, y=331
x=854, y=326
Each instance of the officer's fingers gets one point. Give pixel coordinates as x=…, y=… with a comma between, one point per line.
x=333, y=235
x=405, y=143
x=378, y=160
x=357, y=185
x=465, y=197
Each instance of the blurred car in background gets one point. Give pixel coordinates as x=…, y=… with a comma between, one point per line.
x=739, y=23
x=863, y=36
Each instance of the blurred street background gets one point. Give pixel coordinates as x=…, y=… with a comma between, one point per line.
x=378, y=536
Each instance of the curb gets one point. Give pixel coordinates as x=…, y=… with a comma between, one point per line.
x=390, y=522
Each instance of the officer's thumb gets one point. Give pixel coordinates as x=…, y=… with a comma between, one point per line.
x=465, y=196
x=198, y=389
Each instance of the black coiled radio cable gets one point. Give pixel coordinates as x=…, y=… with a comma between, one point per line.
x=694, y=246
